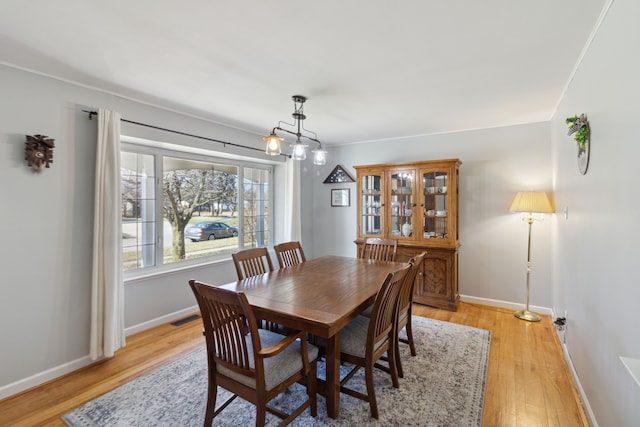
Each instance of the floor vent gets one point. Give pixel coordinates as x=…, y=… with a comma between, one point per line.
x=186, y=320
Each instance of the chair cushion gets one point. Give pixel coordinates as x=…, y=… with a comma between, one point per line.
x=367, y=312
x=353, y=337
x=277, y=368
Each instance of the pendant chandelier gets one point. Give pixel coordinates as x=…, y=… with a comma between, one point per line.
x=298, y=149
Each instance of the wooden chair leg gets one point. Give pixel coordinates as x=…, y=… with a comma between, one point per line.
x=371, y=391
x=398, y=360
x=409, y=331
x=261, y=413
x=393, y=365
x=211, y=404
x=312, y=389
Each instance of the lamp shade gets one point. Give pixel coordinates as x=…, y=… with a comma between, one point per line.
x=299, y=152
x=273, y=144
x=531, y=201
x=319, y=156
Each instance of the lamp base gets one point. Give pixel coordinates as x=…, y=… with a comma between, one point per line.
x=527, y=315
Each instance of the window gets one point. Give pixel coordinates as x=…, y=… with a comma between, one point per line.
x=199, y=207
x=256, y=212
x=138, y=210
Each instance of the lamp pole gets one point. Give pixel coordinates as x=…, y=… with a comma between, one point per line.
x=526, y=314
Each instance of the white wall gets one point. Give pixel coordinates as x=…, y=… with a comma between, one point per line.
x=596, y=267
x=46, y=226
x=496, y=163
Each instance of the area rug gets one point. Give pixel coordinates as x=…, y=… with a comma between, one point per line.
x=444, y=385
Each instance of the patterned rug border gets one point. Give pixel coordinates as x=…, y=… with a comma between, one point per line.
x=426, y=397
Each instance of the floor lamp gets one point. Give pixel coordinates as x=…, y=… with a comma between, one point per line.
x=530, y=202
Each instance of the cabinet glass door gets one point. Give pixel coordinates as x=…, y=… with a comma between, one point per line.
x=435, y=205
x=371, y=205
x=402, y=203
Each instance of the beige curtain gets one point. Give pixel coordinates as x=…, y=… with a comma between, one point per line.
x=107, y=290
x=292, y=223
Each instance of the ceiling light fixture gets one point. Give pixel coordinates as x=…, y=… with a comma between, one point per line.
x=298, y=148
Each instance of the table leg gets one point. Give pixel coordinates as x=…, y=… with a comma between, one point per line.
x=333, y=376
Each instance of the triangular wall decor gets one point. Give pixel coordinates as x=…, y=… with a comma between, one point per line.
x=338, y=175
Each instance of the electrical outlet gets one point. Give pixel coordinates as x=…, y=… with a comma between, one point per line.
x=560, y=324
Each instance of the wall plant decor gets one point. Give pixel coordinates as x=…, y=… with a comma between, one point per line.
x=579, y=128
x=39, y=151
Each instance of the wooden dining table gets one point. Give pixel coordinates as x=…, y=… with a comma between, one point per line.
x=319, y=296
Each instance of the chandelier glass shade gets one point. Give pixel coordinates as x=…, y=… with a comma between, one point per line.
x=273, y=144
x=319, y=156
x=298, y=151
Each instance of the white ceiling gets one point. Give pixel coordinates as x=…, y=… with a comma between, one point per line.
x=371, y=69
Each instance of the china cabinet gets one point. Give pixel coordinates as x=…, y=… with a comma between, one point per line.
x=417, y=204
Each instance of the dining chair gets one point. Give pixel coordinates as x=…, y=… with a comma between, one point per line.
x=405, y=303
x=289, y=253
x=252, y=262
x=255, y=364
x=379, y=249
x=363, y=341
x=403, y=317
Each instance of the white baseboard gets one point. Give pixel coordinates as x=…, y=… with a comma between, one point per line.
x=576, y=380
x=58, y=371
x=161, y=320
x=505, y=304
x=43, y=377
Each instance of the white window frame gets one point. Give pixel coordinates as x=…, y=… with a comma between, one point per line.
x=189, y=154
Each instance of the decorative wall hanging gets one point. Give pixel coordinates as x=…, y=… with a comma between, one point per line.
x=579, y=128
x=338, y=175
x=39, y=151
x=340, y=197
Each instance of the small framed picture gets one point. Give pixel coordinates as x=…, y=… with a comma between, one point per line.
x=340, y=197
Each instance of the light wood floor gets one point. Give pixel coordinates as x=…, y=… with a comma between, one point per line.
x=528, y=382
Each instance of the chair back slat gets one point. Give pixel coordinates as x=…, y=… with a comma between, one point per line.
x=252, y=262
x=385, y=307
x=227, y=319
x=379, y=249
x=289, y=253
x=406, y=293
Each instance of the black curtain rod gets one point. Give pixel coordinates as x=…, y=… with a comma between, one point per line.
x=225, y=143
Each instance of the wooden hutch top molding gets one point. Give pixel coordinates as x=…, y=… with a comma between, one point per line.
x=457, y=163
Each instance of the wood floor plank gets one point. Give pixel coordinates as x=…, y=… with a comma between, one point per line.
x=528, y=381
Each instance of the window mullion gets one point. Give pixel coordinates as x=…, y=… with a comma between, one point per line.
x=159, y=216
x=240, y=204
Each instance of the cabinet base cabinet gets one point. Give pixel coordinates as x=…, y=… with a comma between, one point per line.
x=436, y=283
